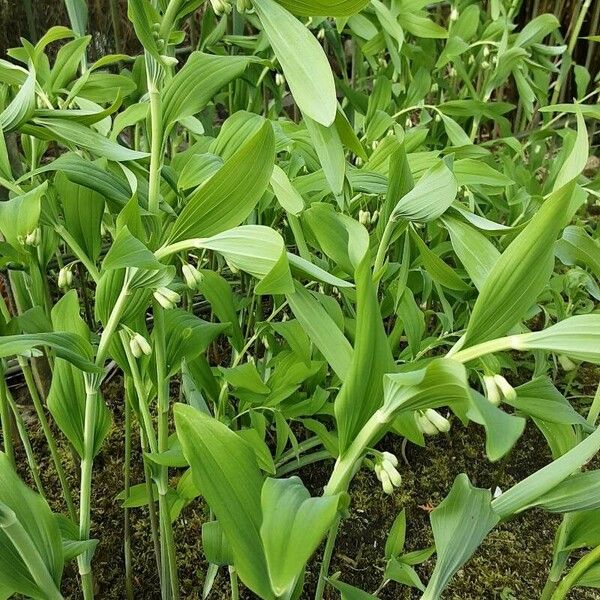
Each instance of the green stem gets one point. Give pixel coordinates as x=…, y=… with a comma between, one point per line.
x=6, y=424
x=169, y=560
x=33, y=465
x=327, y=554
x=39, y=409
x=383, y=246
x=233, y=578
x=568, y=56
x=127, y=481
x=575, y=574
x=156, y=145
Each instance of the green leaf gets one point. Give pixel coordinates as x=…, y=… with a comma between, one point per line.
x=394, y=543
x=526, y=492
x=330, y=151
x=20, y=215
x=361, y=393
x=322, y=330
x=83, y=209
x=84, y=137
x=287, y=510
x=436, y=267
x=329, y=8
x=196, y=84
x=349, y=592
x=257, y=250
x=69, y=346
x=454, y=542
x=225, y=469
x=29, y=536
x=229, y=196
x=303, y=61
x=579, y=492
x=431, y=196
x=442, y=382
x=127, y=251
x=519, y=274
x=67, y=395
x=577, y=247
x=287, y=195
x=22, y=107
x=577, y=159
x=474, y=250
x=187, y=336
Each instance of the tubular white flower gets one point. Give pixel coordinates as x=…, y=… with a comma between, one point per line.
x=386, y=482
x=390, y=458
x=508, y=391
x=140, y=346
x=34, y=238
x=392, y=473
x=425, y=425
x=166, y=298
x=441, y=423
x=65, y=278
x=491, y=390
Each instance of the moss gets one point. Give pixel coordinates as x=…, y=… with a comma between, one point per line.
x=512, y=563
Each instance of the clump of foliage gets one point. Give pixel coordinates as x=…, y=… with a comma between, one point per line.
x=325, y=230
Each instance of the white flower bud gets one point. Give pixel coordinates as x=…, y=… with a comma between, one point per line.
x=390, y=458
x=378, y=470
x=386, y=482
x=34, y=238
x=321, y=34
x=434, y=88
x=471, y=60
x=358, y=162
x=408, y=122
x=139, y=346
x=221, y=6
x=374, y=217
x=166, y=298
x=364, y=217
x=191, y=275
x=425, y=425
x=392, y=473
x=491, y=390
x=452, y=72
x=244, y=6
x=454, y=14
x=279, y=79
x=441, y=423
x=485, y=65
x=508, y=391
x=486, y=51
x=375, y=145
x=65, y=278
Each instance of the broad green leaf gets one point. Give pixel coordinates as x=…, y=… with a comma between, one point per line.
x=69, y=346
x=83, y=209
x=519, y=274
x=477, y=254
x=394, y=543
x=194, y=86
x=349, y=592
x=322, y=330
x=577, y=158
x=186, y=337
x=68, y=60
x=526, y=492
x=78, y=15
x=442, y=382
x=330, y=151
x=22, y=107
x=579, y=492
x=304, y=268
x=67, y=396
x=225, y=469
x=84, y=137
x=431, y=196
x=502, y=429
x=303, y=61
x=537, y=29
x=331, y=8
x=577, y=247
x=577, y=337
x=217, y=290
x=127, y=251
x=454, y=542
x=436, y=267
x=229, y=196
x=287, y=509
x=257, y=250
x=20, y=216
x=29, y=536
x=287, y=195
x=361, y=393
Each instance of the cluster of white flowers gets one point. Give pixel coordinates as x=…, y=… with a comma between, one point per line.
x=386, y=472
x=430, y=422
x=497, y=388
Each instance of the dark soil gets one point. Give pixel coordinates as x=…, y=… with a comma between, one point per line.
x=511, y=564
